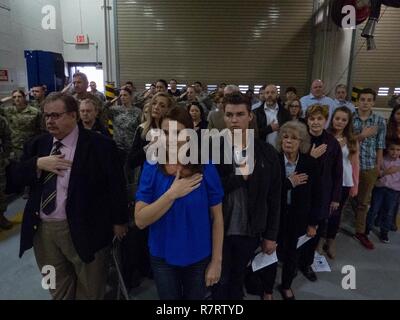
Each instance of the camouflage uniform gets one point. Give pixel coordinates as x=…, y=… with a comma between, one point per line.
x=24, y=125
x=38, y=105
x=5, y=149
x=35, y=104
x=100, y=96
x=125, y=122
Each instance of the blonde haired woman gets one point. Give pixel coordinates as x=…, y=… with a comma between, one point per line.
x=160, y=104
x=137, y=252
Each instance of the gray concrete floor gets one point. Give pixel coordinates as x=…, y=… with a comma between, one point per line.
x=377, y=271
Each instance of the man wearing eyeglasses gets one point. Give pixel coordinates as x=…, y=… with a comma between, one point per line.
x=77, y=203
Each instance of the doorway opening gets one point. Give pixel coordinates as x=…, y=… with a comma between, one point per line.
x=93, y=71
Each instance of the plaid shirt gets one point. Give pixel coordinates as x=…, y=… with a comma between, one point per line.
x=369, y=146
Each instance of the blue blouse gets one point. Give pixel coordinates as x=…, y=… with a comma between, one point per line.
x=183, y=235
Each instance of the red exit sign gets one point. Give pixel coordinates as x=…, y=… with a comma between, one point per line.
x=81, y=39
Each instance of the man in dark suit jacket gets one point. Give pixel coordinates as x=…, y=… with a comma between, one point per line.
x=77, y=200
x=271, y=116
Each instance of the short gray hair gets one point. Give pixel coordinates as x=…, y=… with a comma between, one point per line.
x=299, y=128
x=341, y=85
x=231, y=88
x=81, y=75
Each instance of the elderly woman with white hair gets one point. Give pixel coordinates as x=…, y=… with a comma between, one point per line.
x=298, y=204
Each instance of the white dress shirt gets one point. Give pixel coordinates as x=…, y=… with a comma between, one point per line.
x=272, y=116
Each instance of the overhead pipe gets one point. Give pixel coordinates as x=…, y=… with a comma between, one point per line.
x=107, y=40
x=117, y=61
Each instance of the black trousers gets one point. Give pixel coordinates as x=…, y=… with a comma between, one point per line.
x=336, y=216
x=236, y=254
x=307, y=250
x=287, y=253
x=135, y=257
x=289, y=257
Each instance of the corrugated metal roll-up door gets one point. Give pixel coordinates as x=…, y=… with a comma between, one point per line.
x=244, y=42
x=380, y=68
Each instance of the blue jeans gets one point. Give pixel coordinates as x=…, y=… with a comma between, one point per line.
x=180, y=283
x=384, y=200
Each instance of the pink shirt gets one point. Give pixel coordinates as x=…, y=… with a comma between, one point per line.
x=391, y=181
x=68, y=149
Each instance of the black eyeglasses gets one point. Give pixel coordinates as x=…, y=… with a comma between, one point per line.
x=54, y=115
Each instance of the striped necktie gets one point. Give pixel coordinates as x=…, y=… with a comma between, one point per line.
x=49, y=194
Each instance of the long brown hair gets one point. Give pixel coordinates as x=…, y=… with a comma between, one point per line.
x=182, y=116
x=392, y=125
x=348, y=131
x=300, y=114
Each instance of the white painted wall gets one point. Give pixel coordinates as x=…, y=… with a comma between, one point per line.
x=21, y=29
x=91, y=24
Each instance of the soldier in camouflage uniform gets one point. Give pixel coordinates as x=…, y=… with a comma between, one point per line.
x=125, y=118
x=24, y=122
x=5, y=149
x=95, y=92
x=39, y=94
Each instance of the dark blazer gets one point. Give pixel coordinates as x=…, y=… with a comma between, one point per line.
x=97, y=197
x=304, y=198
x=203, y=124
x=330, y=172
x=302, y=120
x=263, y=128
x=97, y=127
x=264, y=190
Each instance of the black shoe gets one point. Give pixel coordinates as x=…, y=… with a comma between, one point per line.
x=384, y=237
x=283, y=294
x=309, y=273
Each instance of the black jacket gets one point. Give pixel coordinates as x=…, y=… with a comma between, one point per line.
x=263, y=128
x=137, y=156
x=97, y=127
x=305, y=199
x=97, y=197
x=330, y=172
x=264, y=190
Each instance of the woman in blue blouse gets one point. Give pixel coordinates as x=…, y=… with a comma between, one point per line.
x=182, y=204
